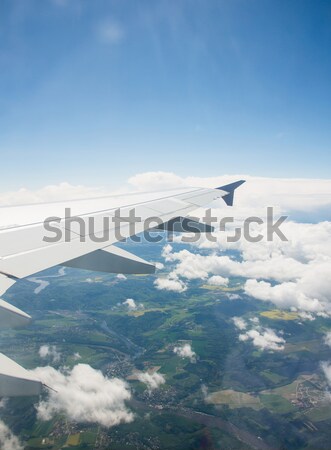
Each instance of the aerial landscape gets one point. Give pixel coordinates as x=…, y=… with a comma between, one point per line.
x=191, y=381
x=165, y=225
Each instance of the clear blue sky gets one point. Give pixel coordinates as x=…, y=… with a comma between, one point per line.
x=93, y=92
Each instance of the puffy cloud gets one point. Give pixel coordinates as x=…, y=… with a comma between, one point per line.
x=131, y=304
x=285, y=295
x=84, y=395
x=50, y=352
x=263, y=338
x=326, y=367
x=120, y=276
x=8, y=441
x=194, y=266
x=77, y=356
x=217, y=280
x=239, y=323
x=306, y=315
x=170, y=284
x=327, y=338
x=254, y=320
x=185, y=351
x=292, y=274
x=152, y=380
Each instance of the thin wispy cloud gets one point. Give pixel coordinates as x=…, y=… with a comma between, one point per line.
x=110, y=32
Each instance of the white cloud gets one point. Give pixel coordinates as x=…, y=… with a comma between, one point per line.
x=50, y=193
x=326, y=367
x=233, y=296
x=110, y=32
x=152, y=380
x=217, y=280
x=8, y=441
x=132, y=305
x=90, y=280
x=120, y=276
x=77, y=356
x=254, y=320
x=306, y=315
x=292, y=274
x=239, y=323
x=150, y=181
x=84, y=395
x=263, y=338
x=327, y=338
x=50, y=352
x=284, y=295
x=288, y=194
x=185, y=351
x=170, y=284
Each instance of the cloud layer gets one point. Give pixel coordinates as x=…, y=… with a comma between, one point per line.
x=289, y=195
x=292, y=274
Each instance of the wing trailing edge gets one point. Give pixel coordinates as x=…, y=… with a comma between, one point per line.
x=12, y=317
x=15, y=381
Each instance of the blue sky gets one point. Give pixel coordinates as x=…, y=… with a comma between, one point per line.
x=93, y=92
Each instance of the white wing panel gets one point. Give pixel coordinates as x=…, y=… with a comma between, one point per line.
x=24, y=252
x=15, y=380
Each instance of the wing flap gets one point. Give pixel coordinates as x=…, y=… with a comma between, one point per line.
x=112, y=260
x=185, y=225
x=12, y=317
x=15, y=381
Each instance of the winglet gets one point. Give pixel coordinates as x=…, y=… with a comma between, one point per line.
x=230, y=188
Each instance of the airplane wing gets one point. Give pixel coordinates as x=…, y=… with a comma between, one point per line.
x=82, y=234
